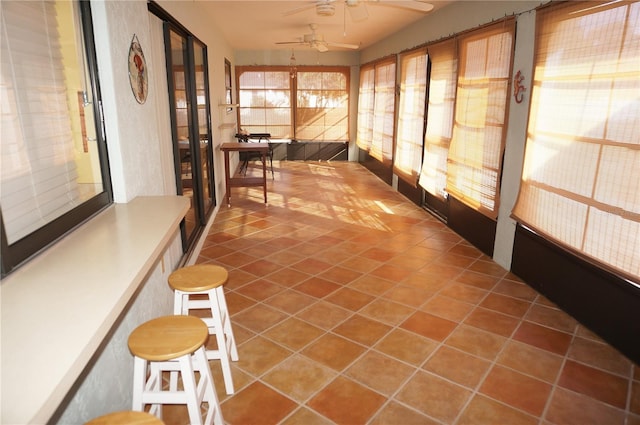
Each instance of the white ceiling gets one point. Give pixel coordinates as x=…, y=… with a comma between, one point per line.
x=258, y=25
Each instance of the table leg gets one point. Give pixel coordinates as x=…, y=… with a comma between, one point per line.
x=264, y=175
x=227, y=178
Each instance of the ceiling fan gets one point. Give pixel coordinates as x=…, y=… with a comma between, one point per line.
x=317, y=41
x=358, y=8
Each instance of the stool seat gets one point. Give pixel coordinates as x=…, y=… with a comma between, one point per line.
x=168, y=337
x=173, y=345
x=126, y=417
x=198, y=278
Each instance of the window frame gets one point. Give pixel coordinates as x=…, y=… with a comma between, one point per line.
x=20, y=251
x=228, y=85
x=581, y=201
x=293, y=98
x=412, y=115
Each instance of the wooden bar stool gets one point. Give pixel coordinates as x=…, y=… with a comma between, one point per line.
x=208, y=280
x=127, y=417
x=173, y=344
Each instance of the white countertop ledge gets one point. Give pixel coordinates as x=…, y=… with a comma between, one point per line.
x=58, y=308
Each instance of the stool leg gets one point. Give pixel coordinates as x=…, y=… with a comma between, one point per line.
x=223, y=353
x=206, y=387
x=231, y=340
x=139, y=378
x=191, y=394
x=180, y=302
x=154, y=384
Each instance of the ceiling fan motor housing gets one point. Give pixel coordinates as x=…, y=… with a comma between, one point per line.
x=325, y=9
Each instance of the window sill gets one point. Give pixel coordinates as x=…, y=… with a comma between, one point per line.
x=58, y=308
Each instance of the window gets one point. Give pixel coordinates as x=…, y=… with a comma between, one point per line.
x=477, y=144
x=581, y=178
x=265, y=101
x=311, y=104
x=322, y=106
x=384, y=111
x=410, y=133
x=442, y=96
x=54, y=170
x=228, y=89
x=366, y=104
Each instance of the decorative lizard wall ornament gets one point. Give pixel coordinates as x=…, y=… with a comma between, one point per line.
x=518, y=88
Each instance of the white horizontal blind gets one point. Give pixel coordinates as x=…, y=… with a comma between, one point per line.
x=475, y=153
x=581, y=179
x=384, y=111
x=410, y=131
x=442, y=96
x=38, y=171
x=366, y=104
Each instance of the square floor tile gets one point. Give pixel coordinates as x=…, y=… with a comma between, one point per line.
x=457, y=366
x=485, y=411
x=429, y=326
x=258, y=317
x=347, y=402
x=387, y=311
x=290, y=301
x=492, y=321
x=258, y=355
x=293, y=333
x=350, y=299
x=603, y=386
x=241, y=408
x=380, y=372
x=324, y=315
x=362, y=329
x=517, y=390
x=396, y=413
x=317, y=287
x=531, y=361
x=299, y=377
x=542, y=337
x=570, y=408
x=434, y=396
x=334, y=351
x=476, y=341
x=406, y=346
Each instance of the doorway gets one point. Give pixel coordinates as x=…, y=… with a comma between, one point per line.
x=190, y=112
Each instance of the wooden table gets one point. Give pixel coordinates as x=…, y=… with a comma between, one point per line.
x=263, y=149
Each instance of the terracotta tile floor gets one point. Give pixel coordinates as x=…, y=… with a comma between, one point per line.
x=351, y=305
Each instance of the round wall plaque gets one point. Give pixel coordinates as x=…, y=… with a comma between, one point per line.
x=138, y=71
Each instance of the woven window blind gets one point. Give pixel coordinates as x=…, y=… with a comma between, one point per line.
x=410, y=131
x=475, y=153
x=581, y=179
x=364, y=134
x=322, y=108
x=442, y=96
x=384, y=111
x=265, y=102
x=39, y=177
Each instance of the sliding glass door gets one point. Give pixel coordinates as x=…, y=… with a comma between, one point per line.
x=191, y=127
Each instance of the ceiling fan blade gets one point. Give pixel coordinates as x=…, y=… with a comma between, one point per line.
x=415, y=5
x=358, y=12
x=311, y=5
x=290, y=42
x=343, y=45
x=321, y=47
